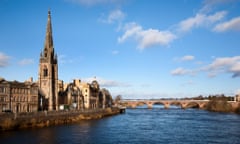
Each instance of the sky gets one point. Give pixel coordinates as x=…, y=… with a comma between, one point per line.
x=139, y=49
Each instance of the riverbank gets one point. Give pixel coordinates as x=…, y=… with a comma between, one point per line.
x=223, y=106
x=51, y=118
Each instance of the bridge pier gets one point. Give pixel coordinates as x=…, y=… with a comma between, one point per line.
x=184, y=105
x=149, y=105
x=132, y=105
x=202, y=105
x=166, y=105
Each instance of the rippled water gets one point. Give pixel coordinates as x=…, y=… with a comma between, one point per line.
x=140, y=125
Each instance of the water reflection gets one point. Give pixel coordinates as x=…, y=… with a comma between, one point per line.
x=158, y=106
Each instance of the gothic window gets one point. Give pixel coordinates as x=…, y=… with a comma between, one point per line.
x=45, y=72
x=45, y=53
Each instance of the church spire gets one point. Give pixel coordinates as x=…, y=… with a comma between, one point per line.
x=48, y=71
x=48, y=46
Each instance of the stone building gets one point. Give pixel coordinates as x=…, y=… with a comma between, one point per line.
x=105, y=99
x=93, y=98
x=48, y=72
x=82, y=95
x=71, y=97
x=18, y=96
x=237, y=98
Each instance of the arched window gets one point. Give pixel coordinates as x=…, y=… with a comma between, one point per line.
x=45, y=71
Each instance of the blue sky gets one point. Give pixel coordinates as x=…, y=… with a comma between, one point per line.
x=136, y=48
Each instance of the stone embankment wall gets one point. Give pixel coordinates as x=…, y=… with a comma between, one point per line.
x=49, y=118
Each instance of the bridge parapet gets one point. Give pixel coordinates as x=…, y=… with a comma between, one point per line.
x=183, y=103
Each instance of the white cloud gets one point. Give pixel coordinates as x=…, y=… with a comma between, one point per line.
x=106, y=83
x=209, y=5
x=4, y=59
x=218, y=65
x=146, y=38
x=180, y=71
x=114, y=16
x=26, y=62
x=200, y=20
x=235, y=69
x=151, y=37
x=231, y=25
x=187, y=58
x=94, y=2
x=131, y=29
x=225, y=64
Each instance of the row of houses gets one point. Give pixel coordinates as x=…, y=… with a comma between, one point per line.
x=26, y=96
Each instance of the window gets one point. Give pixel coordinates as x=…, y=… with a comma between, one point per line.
x=45, y=72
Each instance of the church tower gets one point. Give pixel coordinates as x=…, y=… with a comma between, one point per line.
x=48, y=72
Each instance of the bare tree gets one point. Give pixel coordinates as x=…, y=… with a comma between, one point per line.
x=117, y=99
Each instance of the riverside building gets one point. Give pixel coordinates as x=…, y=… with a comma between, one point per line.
x=18, y=96
x=82, y=95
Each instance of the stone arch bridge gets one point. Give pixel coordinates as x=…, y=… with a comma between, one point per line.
x=131, y=103
x=182, y=103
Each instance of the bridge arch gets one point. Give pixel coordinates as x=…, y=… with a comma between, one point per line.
x=156, y=103
x=166, y=104
x=135, y=104
x=192, y=104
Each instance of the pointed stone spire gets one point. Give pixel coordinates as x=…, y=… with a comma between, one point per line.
x=48, y=46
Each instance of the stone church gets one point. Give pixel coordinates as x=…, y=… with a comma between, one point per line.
x=55, y=95
x=48, y=72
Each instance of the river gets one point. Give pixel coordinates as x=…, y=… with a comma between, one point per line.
x=136, y=126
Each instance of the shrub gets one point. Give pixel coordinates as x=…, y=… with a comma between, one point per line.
x=238, y=109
